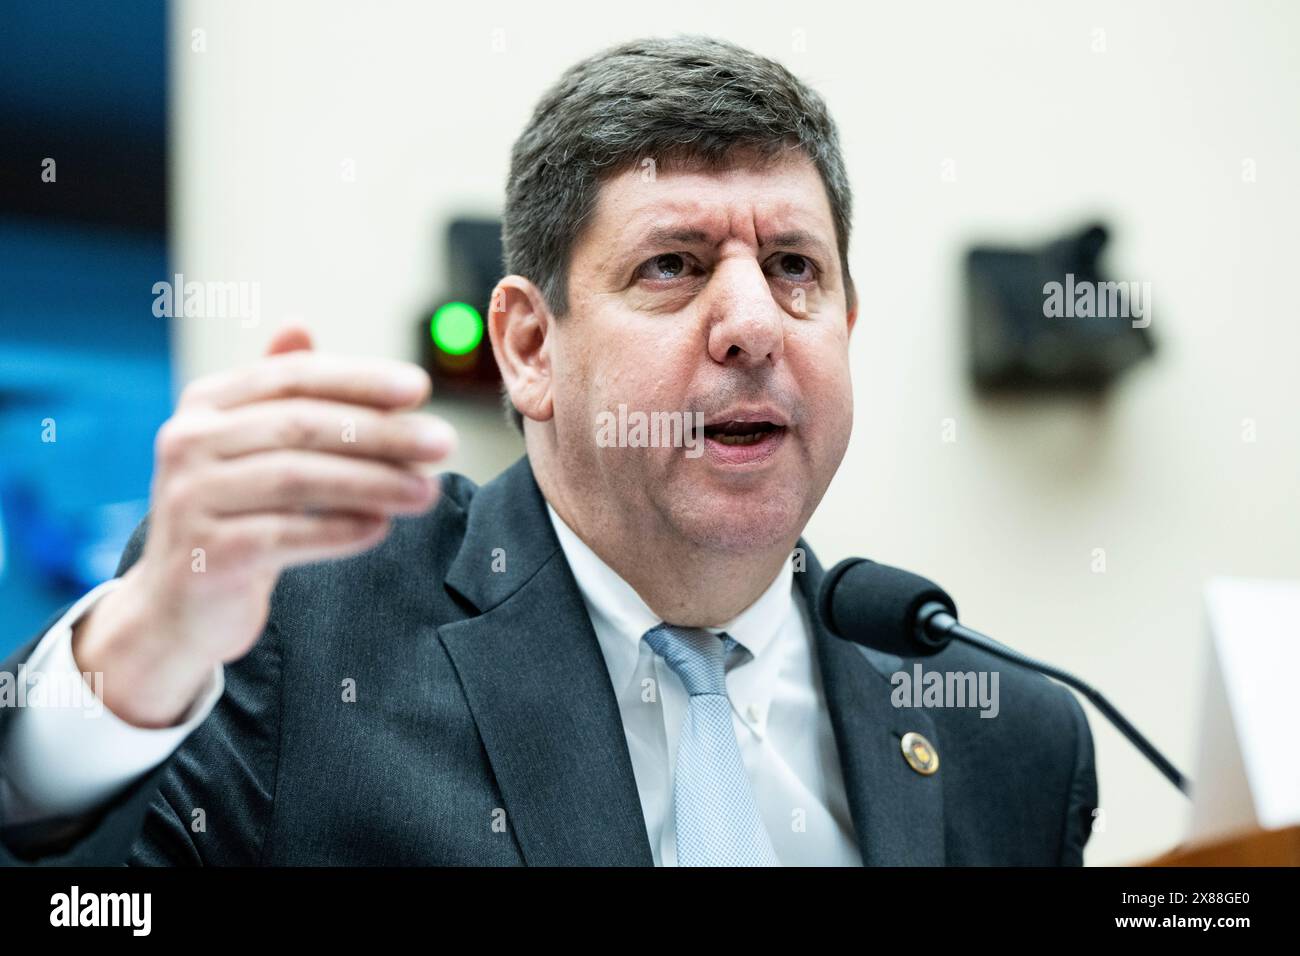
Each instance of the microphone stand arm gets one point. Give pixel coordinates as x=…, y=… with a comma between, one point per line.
x=937, y=626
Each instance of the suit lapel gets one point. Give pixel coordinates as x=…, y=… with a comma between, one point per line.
x=539, y=691
x=897, y=812
x=538, y=687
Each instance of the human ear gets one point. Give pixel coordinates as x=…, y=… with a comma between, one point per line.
x=519, y=323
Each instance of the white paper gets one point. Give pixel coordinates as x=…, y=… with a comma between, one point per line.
x=1248, y=771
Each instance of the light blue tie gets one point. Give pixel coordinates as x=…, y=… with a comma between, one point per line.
x=717, y=819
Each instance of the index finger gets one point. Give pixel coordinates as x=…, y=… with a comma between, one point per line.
x=379, y=382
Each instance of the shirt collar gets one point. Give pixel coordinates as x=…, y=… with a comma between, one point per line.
x=615, y=605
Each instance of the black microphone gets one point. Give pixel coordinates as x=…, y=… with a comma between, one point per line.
x=903, y=614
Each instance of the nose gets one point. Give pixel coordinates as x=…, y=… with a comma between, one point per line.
x=746, y=323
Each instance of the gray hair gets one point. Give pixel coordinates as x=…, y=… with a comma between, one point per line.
x=691, y=100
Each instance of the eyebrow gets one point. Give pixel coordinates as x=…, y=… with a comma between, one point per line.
x=671, y=235
x=799, y=239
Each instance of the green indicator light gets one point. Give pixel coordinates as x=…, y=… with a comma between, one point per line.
x=457, y=328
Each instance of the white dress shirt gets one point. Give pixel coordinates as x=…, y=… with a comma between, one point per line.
x=777, y=709
x=64, y=761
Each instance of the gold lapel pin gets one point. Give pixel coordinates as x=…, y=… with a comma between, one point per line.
x=920, y=753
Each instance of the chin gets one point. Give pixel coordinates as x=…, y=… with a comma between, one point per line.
x=739, y=522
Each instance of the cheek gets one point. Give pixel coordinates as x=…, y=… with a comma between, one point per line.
x=574, y=366
x=819, y=355
x=643, y=367
x=570, y=367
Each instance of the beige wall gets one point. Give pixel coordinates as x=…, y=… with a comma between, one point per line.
x=1042, y=131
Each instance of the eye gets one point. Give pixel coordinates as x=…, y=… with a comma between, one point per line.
x=665, y=267
x=792, y=266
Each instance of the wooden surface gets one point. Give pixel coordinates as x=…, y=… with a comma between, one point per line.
x=1254, y=848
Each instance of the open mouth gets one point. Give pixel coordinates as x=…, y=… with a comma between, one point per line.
x=740, y=433
x=742, y=443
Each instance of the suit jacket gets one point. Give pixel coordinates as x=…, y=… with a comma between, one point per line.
x=482, y=727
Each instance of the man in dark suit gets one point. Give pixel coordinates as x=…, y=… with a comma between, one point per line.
x=608, y=654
